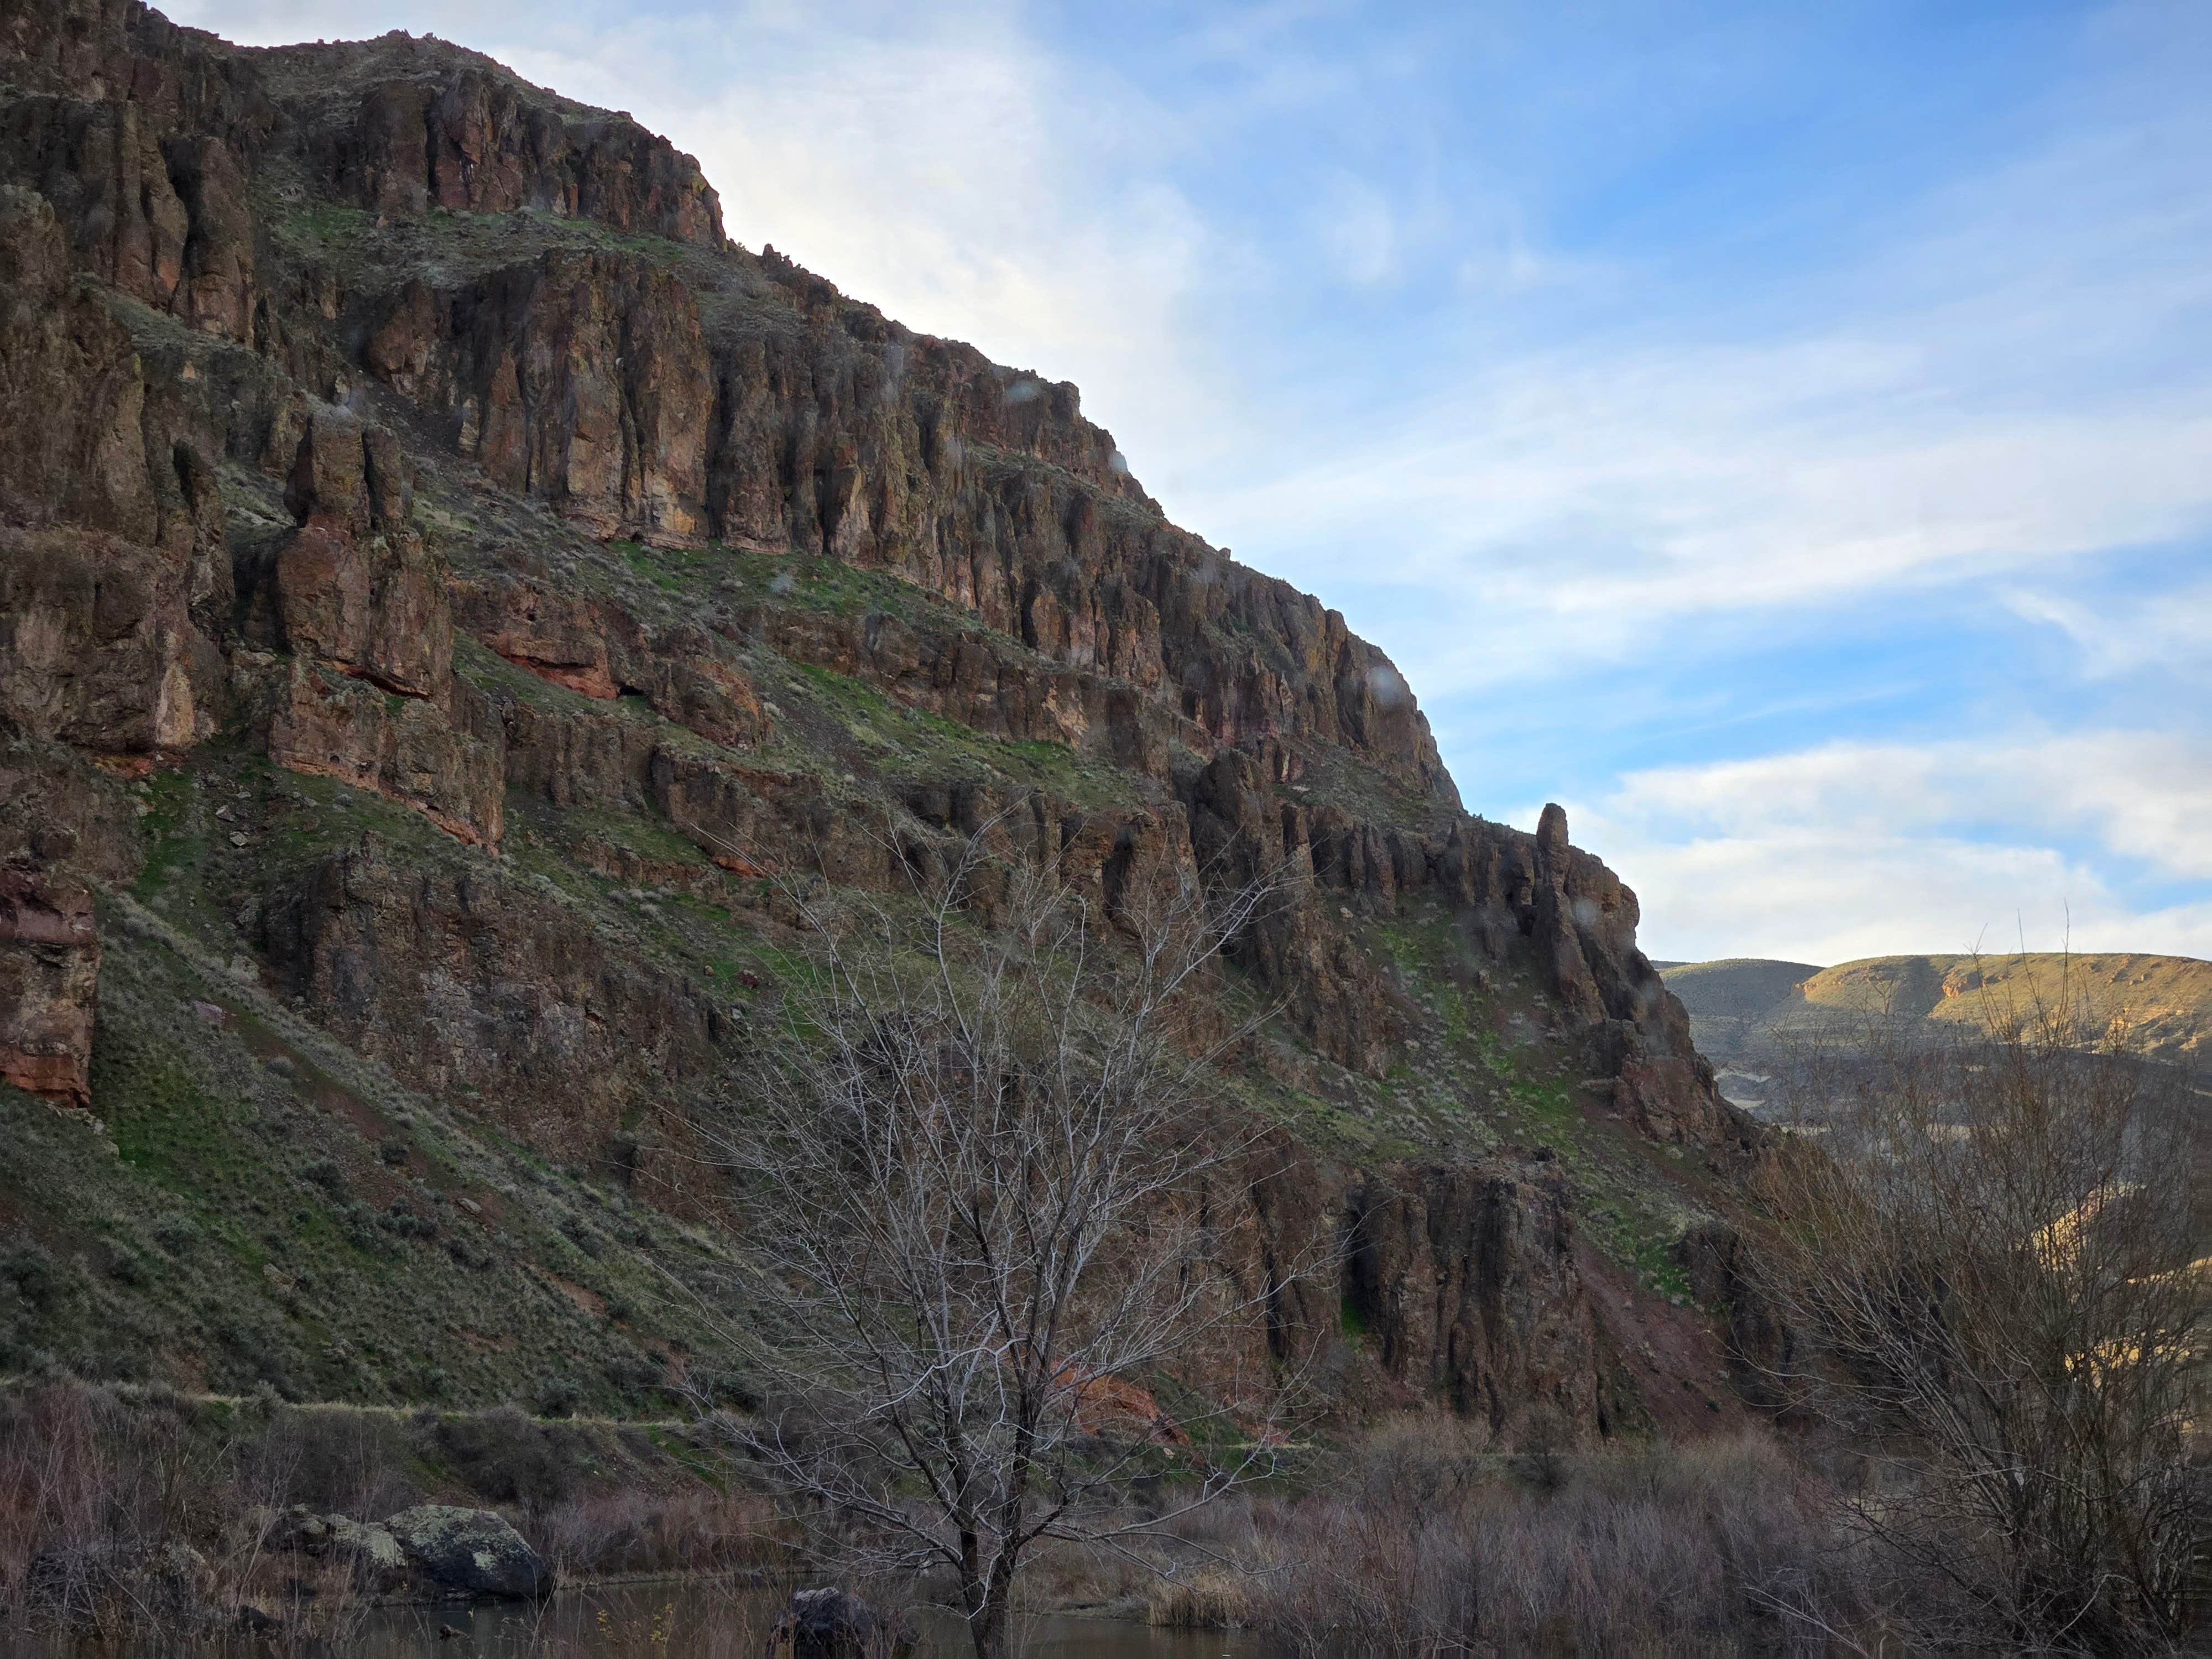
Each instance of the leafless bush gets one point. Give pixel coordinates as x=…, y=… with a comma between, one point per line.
x=336, y=1460
x=103, y=1509
x=1695, y=1550
x=692, y=1530
x=1987, y=1263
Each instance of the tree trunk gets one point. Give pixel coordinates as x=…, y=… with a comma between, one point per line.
x=989, y=1603
x=986, y=1625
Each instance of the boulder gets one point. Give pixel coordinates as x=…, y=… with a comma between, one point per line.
x=832, y=1624
x=379, y=1561
x=473, y=1551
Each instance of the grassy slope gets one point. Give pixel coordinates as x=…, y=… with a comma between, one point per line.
x=257, y=1205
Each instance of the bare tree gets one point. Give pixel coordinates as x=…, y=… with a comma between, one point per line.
x=1988, y=1263
x=974, y=1168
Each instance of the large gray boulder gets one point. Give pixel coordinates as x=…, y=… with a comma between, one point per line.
x=470, y=1550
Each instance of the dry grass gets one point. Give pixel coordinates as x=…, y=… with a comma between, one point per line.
x=1210, y=1598
x=1424, y=1545
x=144, y=1514
x=693, y=1529
x=111, y=1520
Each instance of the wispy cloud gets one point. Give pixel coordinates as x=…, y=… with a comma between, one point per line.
x=2129, y=634
x=1995, y=388
x=1570, y=508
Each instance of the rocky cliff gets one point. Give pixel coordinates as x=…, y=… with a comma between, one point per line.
x=445, y=586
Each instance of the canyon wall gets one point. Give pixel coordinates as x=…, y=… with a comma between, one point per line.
x=369, y=413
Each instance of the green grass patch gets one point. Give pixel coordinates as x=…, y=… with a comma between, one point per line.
x=323, y=221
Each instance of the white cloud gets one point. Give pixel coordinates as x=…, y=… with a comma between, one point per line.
x=2146, y=795
x=1858, y=849
x=1825, y=899
x=1568, y=508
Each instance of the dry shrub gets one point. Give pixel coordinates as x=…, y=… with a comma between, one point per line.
x=1715, y=1548
x=1990, y=1273
x=107, y=1512
x=690, y=1530
x=1211, y=1598
x=336, y=1460
x=505, y=1455
x=1419, y=1463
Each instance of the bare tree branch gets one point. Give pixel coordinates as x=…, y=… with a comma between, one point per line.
x=974, y=1171
x=1988, y=1261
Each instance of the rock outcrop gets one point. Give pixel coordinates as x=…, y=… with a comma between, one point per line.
x=49, y=968
x=111, y=536
x=353, y=585
x=473, y=982
x=1466, y=1278
x=416, y=125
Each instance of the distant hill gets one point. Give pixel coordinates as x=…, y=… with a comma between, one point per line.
x=1747, y=1012
x=1736, y=988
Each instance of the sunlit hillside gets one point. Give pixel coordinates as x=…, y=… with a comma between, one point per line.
x=1742, y=1007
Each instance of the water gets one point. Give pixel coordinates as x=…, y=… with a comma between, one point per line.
x=710, y=1621
x=685, y=1620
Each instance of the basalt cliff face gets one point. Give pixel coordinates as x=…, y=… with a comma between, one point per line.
x=447, y=586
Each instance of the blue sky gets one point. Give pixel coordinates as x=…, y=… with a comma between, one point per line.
x=1781, y=433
